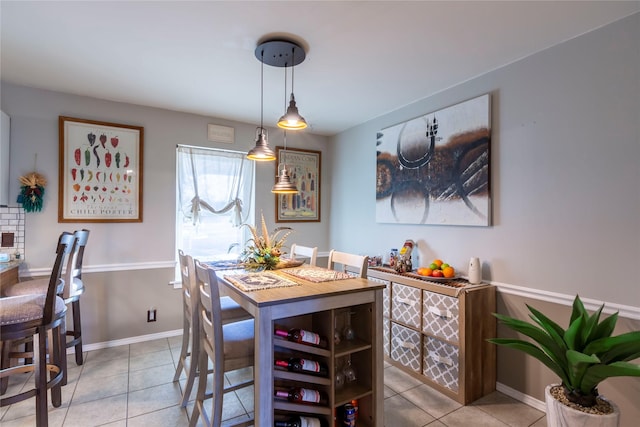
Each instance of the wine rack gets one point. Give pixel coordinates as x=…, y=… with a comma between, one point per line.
x=359, y=351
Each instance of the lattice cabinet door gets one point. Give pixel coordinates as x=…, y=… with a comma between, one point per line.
x=406, y=305
x=406, y=346
x=440, y=361
x=440, y=316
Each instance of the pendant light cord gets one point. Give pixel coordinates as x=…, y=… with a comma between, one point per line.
x=261, y=90
x=293, y=68
x=285, y=88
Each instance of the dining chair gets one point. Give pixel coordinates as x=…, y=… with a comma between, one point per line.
x=73, y=290
x=31, y=317
x=355, y=265
x=228, y=347
x=231, y=312
x=304, y=251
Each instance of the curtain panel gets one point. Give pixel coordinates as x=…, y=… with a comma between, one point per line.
x=214, y=182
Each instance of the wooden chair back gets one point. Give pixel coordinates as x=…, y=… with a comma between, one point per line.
x=56, y=286
x=73, y=274
x=228, y=347
x=351, y=263
x=306, y=252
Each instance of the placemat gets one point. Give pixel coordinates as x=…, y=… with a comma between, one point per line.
x=257, y=281
x=224, y=264
x=317, y=274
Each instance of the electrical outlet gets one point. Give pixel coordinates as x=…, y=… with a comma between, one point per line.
x=151, y=315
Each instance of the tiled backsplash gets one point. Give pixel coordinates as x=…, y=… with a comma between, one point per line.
x=12, y=221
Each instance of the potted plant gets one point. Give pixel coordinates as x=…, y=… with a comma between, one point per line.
x=263, y=250
x=582, y=356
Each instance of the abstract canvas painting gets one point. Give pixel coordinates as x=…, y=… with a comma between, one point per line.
x=434, y=169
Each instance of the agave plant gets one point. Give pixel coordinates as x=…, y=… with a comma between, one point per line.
x=263, y=250
x=583, y=355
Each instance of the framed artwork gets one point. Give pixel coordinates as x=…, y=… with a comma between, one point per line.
x=304, y=168
x=434, y=169
x=100, y=171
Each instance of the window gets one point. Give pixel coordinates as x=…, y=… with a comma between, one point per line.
x=215, y=196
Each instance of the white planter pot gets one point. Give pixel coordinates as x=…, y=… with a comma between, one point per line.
x=560, y=415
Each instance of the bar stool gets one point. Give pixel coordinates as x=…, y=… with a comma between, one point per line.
x=229, y=347
x=304, y=251
x=231, y=312
x=352, y=264
x=74, y=288
x=31, y=317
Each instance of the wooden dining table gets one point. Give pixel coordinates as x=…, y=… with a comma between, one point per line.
x=271, y=305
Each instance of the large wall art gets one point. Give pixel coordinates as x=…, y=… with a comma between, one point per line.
x=434, y=169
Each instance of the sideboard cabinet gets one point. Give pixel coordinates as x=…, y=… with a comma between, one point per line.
x=437, y=332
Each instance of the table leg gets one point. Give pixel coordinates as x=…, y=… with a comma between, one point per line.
x=263, y=368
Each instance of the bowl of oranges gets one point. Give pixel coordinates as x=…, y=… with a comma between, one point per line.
x=437, y=270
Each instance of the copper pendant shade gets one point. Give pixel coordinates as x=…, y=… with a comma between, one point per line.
x=284, y=184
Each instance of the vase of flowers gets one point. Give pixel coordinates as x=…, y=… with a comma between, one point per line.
x=263, y=251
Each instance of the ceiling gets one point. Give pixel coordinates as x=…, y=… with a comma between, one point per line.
x=364, y=59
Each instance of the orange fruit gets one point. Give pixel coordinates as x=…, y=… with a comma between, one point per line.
x=448, y=272
x=423, y=271
x=437, y=262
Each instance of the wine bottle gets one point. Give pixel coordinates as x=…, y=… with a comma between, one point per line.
x=304, y=395
x=303, y=337
x=300, y=421
x=304, y=366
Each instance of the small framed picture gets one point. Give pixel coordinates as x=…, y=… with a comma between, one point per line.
x=304, y=168
x=100, y=171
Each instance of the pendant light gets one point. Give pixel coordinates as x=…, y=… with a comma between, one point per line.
x=292, y=119
x=261, y=152
x=284, y=184
x=284, y=53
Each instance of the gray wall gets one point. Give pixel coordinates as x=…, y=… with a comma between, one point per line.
x=565, y=171
x=565, y=175
x=129, y=265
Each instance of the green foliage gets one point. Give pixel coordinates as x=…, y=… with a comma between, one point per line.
x=263, y=251
x=583, y=355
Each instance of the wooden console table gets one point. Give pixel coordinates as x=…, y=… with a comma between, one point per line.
x=437, y=332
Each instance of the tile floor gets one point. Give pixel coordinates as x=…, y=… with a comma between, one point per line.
x=131, y=386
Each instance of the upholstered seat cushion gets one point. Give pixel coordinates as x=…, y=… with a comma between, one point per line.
x=25, y=308
x=26, y=287
x=231, y=310
x=238, y=340
x=39, y=286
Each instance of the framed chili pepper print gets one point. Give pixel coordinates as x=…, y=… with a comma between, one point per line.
x=304, y=170
x=100, y=171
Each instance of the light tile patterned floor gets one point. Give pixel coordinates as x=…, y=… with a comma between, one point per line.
x=131, y=386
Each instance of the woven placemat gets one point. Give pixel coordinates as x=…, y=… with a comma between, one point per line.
x=317, y=274
x=258, y=281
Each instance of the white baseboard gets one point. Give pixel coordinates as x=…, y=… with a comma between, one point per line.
x=524, y=398
x=127, y=341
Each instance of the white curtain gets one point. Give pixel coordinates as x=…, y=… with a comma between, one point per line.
x=214, y=182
